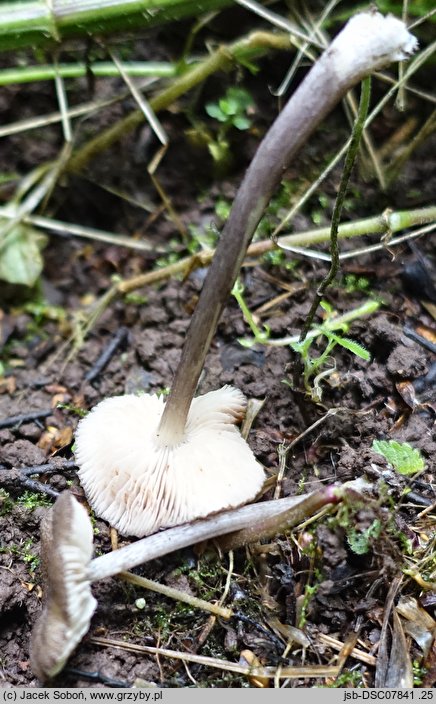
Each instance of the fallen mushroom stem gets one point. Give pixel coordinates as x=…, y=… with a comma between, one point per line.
x=66, y=548
x=250, y=523
x=367, y=42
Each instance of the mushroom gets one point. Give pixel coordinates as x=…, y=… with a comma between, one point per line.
x=145, y=465
x=139, y=485
x=66, y=551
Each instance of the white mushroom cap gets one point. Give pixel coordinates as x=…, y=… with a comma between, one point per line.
x=372, y=41
x=66, y=551
x=139, y=486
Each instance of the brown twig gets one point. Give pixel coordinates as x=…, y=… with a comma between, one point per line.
x=107, y=354
x=19, y=477
x=13, y=421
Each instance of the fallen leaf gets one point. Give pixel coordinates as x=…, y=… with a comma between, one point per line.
x=8, y=385
x=20, y=257
x=54, y=439
x=248, y=658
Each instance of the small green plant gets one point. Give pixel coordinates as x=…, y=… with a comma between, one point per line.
x=31, y=560
x=356, y=284
x=404, y=458
x=6, y=503
x=171, y=257
x=314, y=370
x=197, y=239
x=93, y=519
x=360, y=541
x=32, y=500
x=135, y=299
x=419, y=673
x=222, y=209
x=71, y=408
x=348, y=679
x=24, y=552
x=163, y=392
x=232, y=110
x=309, y=592
x=41, y=311
x=259, y=334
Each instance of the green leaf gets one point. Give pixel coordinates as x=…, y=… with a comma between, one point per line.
x=404, y=458
x=350, y=345
x=219, y=151
x=360, y=541
x=327, y=307
x=240, y=97
x=20, y=256
x=229, y=106
x=241, y=123
x=214, y=110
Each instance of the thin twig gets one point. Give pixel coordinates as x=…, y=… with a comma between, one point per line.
x=337, y=211
x=13, y=421
x=144, y=105
x=62, y=101
x=107, y=354
x=309, y=671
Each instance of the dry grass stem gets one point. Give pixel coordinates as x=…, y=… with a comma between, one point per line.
x=355, y=653
x=307, y=672
x=176, y=594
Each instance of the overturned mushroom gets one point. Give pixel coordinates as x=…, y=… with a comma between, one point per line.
x=145, y=466
x=138, y=485
x=66, y=551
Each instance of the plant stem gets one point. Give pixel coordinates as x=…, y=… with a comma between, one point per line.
x=35, y=22
x=351, y=57
x=259, y=335
x=176, y=594
x=339, y=204
x=389, y=221
x=336, y=323
x=377, y=225
x=284, y=672
x=47, y=72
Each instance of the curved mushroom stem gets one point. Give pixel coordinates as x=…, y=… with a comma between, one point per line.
x=367, y=42
x=66, y=554
x=269, y=517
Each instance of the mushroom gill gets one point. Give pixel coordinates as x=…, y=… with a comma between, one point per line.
x=139, y=485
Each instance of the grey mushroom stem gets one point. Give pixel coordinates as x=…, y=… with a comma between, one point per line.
x=367, y=42
x=254, y=522
x=66, y=549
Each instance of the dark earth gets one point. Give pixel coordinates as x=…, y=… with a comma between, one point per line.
x=310, y=579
